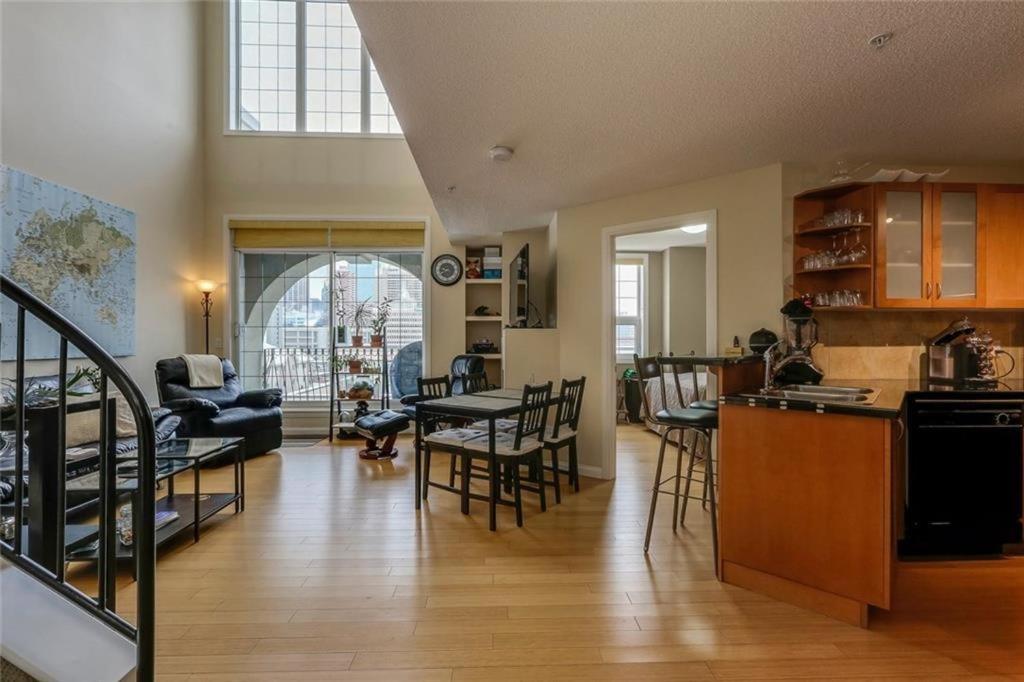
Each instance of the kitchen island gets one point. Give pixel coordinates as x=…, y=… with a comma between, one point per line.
x=808, y=491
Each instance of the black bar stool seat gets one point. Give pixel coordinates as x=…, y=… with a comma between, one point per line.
x=705, y=405
x=688, y=417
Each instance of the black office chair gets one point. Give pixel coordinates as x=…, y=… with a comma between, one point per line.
x=703, y=422
x=463, y=365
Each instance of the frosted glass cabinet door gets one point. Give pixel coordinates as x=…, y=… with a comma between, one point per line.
x=905, y=247
x=956, y=245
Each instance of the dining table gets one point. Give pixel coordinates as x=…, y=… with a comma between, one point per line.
x=486, y=406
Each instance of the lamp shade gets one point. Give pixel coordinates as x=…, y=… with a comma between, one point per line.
x=206, y=286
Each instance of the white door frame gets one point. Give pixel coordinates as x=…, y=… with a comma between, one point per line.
x=608, y=235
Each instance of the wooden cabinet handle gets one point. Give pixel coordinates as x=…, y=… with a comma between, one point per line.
x=928, y=290
x=938, y=290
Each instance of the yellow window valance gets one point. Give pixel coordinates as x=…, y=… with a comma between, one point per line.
x=336, y=234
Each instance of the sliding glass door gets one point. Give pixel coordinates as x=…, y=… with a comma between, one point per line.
x=289, y=306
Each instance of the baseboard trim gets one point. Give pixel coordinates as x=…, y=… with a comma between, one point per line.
x=592, y=471
x=810, y=598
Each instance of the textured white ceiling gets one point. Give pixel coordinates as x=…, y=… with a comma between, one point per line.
x=605, y=99
x=659, y=241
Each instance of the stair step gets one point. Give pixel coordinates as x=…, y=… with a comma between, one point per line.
x=50, y=638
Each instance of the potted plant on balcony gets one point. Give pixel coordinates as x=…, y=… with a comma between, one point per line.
x=340, y=315
x=380, y=323
x=362, y=317
x=353, y=361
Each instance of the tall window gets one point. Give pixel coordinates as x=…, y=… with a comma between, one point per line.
x=301, y=66
x=630, y=297
x=285, y=331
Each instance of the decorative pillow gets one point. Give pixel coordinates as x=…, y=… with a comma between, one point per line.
x=84, y=427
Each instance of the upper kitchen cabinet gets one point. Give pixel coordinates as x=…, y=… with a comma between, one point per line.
x=956, y=247
x=927, y=245
x=1002, y=225
x=903, y=222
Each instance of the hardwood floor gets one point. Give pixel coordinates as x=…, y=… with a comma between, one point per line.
x=329, y=574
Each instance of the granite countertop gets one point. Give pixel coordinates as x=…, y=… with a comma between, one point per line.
x=724, y=360
x=887, y=405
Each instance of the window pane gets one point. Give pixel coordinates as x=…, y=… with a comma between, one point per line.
x=380, y=105
x=266, y=73
x=628, y=307
x=330, y=48
x=625, y=339
x=289, y=326
x=333, y=58
x=629, y=310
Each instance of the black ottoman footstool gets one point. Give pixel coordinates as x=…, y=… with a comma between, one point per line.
x=385, y=424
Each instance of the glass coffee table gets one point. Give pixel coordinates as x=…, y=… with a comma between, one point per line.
x=173, y=457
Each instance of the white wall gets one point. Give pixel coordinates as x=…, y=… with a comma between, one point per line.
x=749, y=209
x=105, y=98
x=685, y=300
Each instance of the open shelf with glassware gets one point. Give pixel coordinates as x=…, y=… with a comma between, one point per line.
x=834, y=247
x=910, y=245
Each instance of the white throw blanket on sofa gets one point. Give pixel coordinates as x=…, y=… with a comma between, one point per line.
x=204, y=371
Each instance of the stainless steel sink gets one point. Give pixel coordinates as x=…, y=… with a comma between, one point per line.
x=825, y=394
x=838, y=390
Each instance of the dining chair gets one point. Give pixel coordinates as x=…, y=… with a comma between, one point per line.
x=445, y=440
x=680, y=420
x=475, y=382
x=525, y=445
x=562, y=434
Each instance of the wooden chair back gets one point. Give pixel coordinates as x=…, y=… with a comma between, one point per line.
x=434, y=387
x=681, y=365
x=648, y=368
x=533, y=416
x=570, y=403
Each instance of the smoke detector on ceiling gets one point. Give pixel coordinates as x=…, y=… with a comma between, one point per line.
x=500, y=153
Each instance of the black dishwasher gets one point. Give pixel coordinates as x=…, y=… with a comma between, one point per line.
x=965, y=475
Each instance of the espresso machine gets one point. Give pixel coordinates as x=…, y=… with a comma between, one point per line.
x=788, y=361
x=960, y=356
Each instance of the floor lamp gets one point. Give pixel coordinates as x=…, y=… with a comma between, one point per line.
x=206, y=287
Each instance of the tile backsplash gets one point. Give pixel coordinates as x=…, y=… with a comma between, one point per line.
x=889, y=344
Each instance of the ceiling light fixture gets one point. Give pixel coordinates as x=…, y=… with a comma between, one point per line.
x=879, y=41
x=694, y=229
x=500, y=153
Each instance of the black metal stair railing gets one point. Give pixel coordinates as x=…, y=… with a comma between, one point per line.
x=101, y=607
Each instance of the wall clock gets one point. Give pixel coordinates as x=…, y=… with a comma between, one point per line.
x=446, y=269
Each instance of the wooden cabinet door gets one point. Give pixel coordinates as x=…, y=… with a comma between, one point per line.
x=903, y=246
x=957, y=247
x=1002, y=224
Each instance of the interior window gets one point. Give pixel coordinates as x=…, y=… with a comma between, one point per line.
x=629, y=308
x=300, y=66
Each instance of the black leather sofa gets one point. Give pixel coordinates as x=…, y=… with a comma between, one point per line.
x=227, y=411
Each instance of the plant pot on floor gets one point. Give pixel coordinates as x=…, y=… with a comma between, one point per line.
x=355, y=367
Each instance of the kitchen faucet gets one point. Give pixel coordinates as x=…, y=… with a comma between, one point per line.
x=773, y=364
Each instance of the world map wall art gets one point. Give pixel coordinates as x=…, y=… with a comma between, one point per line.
x=74, y=252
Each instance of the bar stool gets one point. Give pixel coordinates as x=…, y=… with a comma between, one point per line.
x=680, y=365
x=701, y=422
